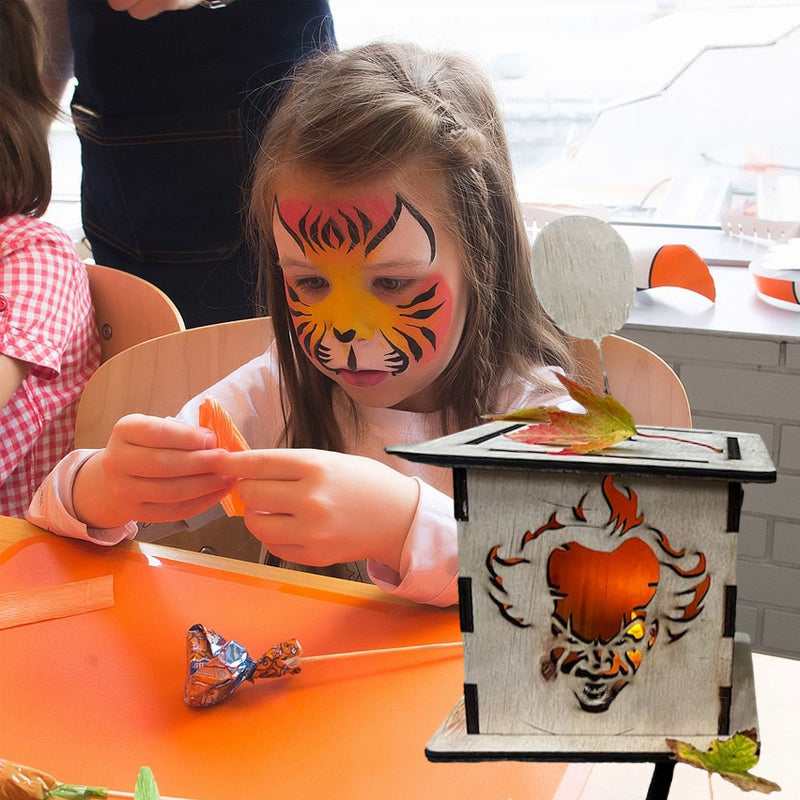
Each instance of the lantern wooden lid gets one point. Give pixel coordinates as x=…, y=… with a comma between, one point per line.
x=739, y=456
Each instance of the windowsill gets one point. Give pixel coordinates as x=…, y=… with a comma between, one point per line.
x=737, y=311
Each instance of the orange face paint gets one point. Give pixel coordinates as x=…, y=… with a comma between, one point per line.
x=373, y=287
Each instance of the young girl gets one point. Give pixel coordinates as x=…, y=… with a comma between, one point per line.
x=48, y=342
x=397, y=273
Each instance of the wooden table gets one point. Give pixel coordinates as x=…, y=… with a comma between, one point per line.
x=91, y=698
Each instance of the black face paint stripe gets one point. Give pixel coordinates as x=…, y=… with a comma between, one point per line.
x=302, y=227
x=412, y=343
x=421, y=298
x=313, y=230
x=351, y=359
x=423, y=313
x=386, y=229
x=366, y=223
x=352, y=230
x=428, y=334
x=286, y=227
x=425, y=225
x=332, y=234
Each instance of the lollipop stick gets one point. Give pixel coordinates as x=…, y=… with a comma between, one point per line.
x=382, y=651
x=112, y=794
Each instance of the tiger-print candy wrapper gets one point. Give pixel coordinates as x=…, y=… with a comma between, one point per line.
x=216, y=666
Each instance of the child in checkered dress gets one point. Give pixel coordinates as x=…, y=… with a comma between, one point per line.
x=48, y=341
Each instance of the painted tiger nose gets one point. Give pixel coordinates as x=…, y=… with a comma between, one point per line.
x=344, y=336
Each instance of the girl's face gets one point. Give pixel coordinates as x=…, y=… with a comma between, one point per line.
x=373, y=284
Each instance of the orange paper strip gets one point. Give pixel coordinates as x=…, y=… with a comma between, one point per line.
x=212, y=415
x=52, y=602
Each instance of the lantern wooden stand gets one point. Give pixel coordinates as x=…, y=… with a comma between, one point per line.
x=597, y=596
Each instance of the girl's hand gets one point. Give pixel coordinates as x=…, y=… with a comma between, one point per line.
x=316, y=507
x=151, y=470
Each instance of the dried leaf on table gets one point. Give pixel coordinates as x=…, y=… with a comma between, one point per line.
x=729, y=758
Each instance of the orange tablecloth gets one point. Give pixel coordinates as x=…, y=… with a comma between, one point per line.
x=93, y=697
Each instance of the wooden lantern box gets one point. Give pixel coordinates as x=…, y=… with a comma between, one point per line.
x=597, y=593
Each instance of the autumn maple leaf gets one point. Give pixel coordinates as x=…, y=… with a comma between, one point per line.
x=605, y=423
x=729, y=758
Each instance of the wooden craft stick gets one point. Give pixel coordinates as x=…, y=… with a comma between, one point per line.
x=52, y=602
x=382, y=651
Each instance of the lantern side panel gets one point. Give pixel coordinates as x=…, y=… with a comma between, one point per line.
x=601, y=604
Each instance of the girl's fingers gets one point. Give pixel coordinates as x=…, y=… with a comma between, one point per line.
x=273, y=528
x=178, y=490
x=274, y=465
x=158, y=433
x=146, y=462
x=160, y=512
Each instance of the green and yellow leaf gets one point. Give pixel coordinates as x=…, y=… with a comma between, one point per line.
x=729, y=758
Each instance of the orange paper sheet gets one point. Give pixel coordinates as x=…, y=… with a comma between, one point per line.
x=92, y=698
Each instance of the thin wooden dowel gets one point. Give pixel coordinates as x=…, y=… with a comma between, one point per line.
x=53, y=602
x=381, y=651
x=113, y=794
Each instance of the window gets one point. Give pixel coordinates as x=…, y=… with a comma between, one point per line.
x=667, y=111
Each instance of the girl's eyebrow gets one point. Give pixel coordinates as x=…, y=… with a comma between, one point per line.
x=401, y=263
x=414, y=264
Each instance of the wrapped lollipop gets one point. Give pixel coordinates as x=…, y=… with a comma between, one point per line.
x=217, y=666
x=18, y=782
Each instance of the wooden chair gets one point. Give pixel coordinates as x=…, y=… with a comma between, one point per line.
x=643, y=382
x=157, y=377
x=128, y=310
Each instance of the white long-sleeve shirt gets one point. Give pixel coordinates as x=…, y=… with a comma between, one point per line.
x=429, y=562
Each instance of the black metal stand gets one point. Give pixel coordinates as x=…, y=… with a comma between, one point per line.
x=661, y=780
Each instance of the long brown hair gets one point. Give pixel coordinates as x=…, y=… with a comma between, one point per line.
x=26, y=112
x=372, y=111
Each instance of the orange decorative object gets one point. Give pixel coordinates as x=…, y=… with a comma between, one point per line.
x=213, y=416
x=679, y=265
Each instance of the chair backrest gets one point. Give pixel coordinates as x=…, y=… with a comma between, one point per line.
x=158, y=376
x=128, y=310
x=643, y=382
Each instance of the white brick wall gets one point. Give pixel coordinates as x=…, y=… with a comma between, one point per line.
x=751, y=383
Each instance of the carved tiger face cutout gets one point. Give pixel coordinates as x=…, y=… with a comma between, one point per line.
x=374, y=288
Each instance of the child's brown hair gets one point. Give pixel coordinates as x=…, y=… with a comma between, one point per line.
x=26, y=112
x=374, y=110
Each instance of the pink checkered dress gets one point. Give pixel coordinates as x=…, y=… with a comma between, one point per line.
x=46, y=320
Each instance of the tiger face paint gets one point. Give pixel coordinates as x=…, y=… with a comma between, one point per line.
x=374, y=286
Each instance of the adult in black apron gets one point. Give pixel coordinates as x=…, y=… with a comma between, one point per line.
x=168, y=111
